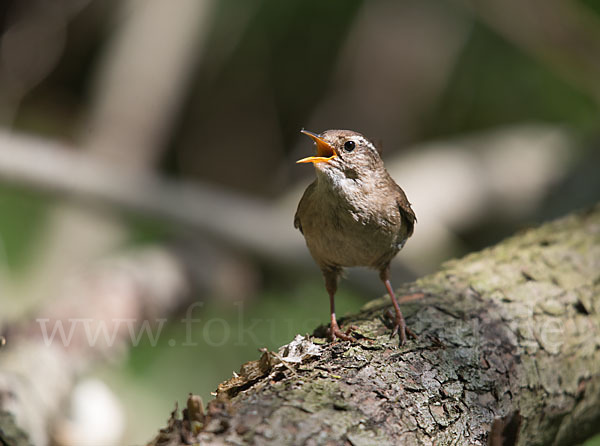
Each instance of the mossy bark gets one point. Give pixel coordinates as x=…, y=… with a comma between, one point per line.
x=508, y=350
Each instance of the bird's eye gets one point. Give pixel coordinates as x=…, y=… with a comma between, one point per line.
x=349, y=146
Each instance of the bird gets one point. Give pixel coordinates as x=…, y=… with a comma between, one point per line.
x=353, y=214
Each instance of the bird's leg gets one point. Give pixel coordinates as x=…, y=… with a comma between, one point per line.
x=399, y=323
x=331, y=286
x=399, y=328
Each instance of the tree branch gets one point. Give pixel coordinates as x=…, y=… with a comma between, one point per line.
x=54, y=167
x=508, y=341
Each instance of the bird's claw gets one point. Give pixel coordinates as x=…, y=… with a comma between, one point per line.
x=402, y=330
x=336, y=332
x=399, y=328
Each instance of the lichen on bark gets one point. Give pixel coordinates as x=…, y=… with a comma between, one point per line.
x=508, y=338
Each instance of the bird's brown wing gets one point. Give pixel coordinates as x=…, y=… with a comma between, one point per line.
x=298, y=223
x=301, y=206
x=408, y=215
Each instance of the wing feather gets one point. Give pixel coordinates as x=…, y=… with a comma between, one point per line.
x=303, y=203
x=408, y=215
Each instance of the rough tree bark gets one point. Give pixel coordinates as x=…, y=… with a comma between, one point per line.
x=508, y=343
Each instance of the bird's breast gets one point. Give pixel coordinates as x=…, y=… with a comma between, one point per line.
x=350, y=229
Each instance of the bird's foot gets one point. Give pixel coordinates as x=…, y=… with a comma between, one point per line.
x=402, y=330
x=336, y=332
x=399, y=327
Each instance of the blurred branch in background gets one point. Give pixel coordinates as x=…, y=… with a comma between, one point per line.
x=476, y=167
x=501, y=176
x=248, y=223
x=142, y=79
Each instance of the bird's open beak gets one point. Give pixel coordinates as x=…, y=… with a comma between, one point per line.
x=325, y=151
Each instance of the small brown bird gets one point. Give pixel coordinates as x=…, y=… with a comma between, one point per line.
x=353, y=214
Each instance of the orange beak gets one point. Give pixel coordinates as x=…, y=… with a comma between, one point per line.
x=325, y=151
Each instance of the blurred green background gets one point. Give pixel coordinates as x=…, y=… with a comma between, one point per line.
x=171, y=128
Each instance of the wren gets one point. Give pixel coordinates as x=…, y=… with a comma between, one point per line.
x=353, y=214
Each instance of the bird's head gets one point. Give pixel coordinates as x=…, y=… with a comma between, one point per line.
x=343, y=152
